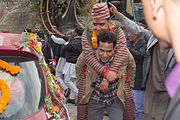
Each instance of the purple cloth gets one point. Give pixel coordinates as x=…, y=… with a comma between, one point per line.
x=173, y=81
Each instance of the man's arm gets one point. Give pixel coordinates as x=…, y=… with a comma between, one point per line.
x=58, y=40
x=130, y=26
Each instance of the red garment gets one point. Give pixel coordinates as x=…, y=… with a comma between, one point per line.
x=82, y=110
x=129, y=112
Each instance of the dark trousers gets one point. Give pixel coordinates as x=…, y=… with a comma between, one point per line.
x=96, y=110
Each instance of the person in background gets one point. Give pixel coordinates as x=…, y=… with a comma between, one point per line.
x=164, y=13
x=45, y=47
x=157, y=64
x=54, y=45
x=37, y=29
x=72, y=49
x=59, y=73
x=61, y=62
x=137, y=47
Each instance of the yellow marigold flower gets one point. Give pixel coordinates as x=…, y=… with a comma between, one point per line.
x=37, y=48
x=33, y=36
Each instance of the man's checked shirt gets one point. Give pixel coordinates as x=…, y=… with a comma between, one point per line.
x=105, y=98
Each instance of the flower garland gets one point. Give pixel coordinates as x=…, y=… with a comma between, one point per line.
x=94, y=36
x=13, y=70
x=94, y=40
x=5, y=95
x=30, y=41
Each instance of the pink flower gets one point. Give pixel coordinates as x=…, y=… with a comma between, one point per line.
x=60, y=95
x=17, y=44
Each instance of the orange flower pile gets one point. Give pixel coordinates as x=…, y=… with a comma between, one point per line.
x=55, y=109
x=94, y=40
x=5, y=96
x=13, y=70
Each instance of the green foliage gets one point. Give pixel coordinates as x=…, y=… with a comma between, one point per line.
x=59, y=7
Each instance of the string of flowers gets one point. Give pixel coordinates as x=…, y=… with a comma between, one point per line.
x=13, y=70
x=94, y=36
x=30, y=41
x=5, y=95
x=94, y=40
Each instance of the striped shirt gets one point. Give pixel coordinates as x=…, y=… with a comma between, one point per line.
x=120, y=56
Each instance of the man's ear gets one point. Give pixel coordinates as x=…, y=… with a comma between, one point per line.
x=156, y=6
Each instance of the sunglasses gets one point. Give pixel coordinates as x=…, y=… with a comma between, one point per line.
x=100, y=24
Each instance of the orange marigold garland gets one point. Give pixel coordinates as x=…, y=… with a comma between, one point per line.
x=94, y=36
x=94, y=39
x=13, y=70
x=5, y=95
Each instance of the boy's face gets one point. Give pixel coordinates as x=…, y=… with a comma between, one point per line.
x=37, y=29
x=99, y=25
x=156, y=19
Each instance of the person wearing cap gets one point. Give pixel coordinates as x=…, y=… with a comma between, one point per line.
x=159, y=61
x=100, y=21
x=99, y=94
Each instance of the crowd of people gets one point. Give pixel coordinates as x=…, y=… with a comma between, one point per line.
x=120, y=71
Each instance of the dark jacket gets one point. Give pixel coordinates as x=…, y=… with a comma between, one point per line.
x=47, y=50
x=170, y=60
x=73, y=49
x=138, y=50
x=54, y=45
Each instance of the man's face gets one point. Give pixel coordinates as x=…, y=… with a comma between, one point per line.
x=105, y=51
x=172, y=7
x=99, y=25
x=156, y=20
x=70, y=34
